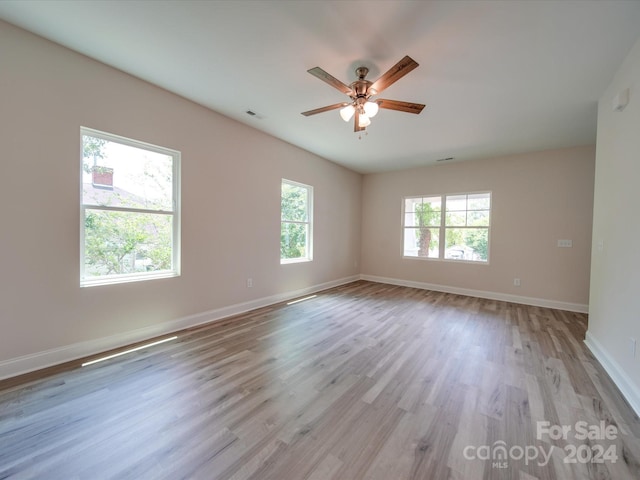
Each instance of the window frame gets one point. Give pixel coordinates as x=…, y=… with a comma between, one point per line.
x=91, y=281
x=442, y=226
x=309, y=223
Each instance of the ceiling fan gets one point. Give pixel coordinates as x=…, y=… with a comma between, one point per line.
x=361, y=106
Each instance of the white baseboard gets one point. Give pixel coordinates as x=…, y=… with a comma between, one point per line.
x=537, y=302
x=629, y=390
x=39, y=360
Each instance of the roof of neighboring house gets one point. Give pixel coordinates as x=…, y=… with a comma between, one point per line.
x=110, y=196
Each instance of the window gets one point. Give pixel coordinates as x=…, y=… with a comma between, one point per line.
x=450, y=227
x=129, y=210
x=422, y=219
x=296, y=207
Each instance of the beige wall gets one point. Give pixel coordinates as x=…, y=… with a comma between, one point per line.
x=538, y=198
x=230, y=205
x=615, y=268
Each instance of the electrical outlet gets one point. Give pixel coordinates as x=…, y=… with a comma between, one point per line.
x=249, y=282
x=516, y=282
x=632, y=347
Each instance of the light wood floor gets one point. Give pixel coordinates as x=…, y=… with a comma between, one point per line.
x=365, y=381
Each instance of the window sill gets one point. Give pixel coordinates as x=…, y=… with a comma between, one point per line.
x=445, y=260
x=116, y=279
x=285, y=261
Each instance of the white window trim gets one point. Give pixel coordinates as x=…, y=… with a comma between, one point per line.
x=442, y=227
x=175, y=248
x=309, y=222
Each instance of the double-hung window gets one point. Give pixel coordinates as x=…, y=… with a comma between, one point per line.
x=130, y=225
x=450, y=227
x=296, y=212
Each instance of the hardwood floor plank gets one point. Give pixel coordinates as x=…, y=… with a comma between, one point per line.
x=472, y=432
x=396, y=457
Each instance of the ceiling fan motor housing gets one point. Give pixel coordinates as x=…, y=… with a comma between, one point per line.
x=360, y=87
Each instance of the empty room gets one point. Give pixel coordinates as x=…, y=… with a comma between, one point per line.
x=321, y=240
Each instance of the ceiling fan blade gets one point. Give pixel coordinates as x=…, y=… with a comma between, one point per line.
x=330, y=79
x=394, y=74
x=400, y=106
x=325, y=109
x=356, y=123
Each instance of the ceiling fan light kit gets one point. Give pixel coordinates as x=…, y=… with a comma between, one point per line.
x=364, y=121
x=347, y=112
x=362, y=107
x=371, y=109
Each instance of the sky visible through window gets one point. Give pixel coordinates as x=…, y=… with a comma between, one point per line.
x=143, y=173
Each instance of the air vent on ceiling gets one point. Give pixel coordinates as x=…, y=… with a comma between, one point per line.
x=253, y=114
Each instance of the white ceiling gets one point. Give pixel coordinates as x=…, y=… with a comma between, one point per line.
x=498, y=77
